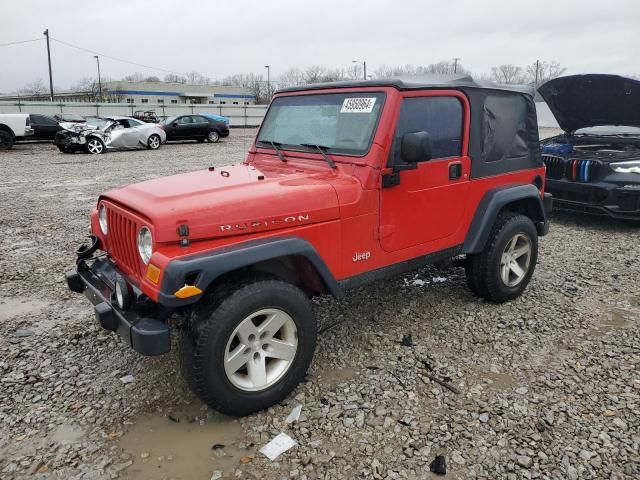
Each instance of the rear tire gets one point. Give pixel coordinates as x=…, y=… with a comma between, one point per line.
x=504, y=268
x=154, y=142
x=6, y=140
x=246, y=347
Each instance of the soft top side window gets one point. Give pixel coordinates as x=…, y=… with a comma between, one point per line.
x=441, y=117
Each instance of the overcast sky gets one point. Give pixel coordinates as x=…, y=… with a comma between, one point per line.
x=222, y=37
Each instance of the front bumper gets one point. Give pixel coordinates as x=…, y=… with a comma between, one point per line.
x=600, y=198
x=139, y=324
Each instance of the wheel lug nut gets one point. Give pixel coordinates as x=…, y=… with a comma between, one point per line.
x=247, y=351
x=256, y=356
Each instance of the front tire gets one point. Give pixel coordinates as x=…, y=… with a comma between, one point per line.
x=94, y=146
x=504, y=268
x=246, y=348
x=6, y=140
x=154, y=141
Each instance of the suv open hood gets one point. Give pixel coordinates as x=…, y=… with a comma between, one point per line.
x=579, y=101
x=230, y=200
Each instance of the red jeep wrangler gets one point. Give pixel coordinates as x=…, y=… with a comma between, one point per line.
x=345, y=184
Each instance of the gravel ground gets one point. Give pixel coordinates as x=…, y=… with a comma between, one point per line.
x=546, y=386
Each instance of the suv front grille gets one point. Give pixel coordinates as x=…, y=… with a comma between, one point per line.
x=573, y=169
x=122, y=241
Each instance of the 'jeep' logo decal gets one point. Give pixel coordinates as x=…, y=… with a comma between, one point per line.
x=360, y=256
x=258, y=224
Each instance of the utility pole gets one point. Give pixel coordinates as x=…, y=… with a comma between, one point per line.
x=46, y=34
x=455, y=64
x=537, y=70
x=268, y=67
x=99, y=80
x=364, y=66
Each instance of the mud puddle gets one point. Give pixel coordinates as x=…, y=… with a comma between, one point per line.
x=191, y=443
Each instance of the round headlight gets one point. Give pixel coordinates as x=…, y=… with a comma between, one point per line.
x=145, y=243
x=102, y=218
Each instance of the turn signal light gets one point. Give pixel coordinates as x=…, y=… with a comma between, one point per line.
x=188, y=291
x=153, y=273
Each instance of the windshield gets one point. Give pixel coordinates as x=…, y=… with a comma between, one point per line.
x=340, y=122
x=99, y=123
x=609, y=130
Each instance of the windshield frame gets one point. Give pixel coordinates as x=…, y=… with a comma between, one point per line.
x=329, y=151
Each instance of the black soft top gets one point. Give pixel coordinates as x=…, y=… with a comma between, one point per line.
x=418, y=82
x=504, y=124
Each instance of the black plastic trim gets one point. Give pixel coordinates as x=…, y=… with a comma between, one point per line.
x=491, y=204
x=399, y=268
x=211, y=265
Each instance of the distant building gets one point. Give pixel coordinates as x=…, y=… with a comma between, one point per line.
x=151, y=94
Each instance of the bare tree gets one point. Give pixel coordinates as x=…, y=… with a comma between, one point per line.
x=152, y=79
x=136, y=77
x=173, y=78
x=314, y=74
x=541, y=72
x=196, y=78
x=256, y=84
x=291, y=78
x=354, y=72
x=507, y=73
x=36, y=87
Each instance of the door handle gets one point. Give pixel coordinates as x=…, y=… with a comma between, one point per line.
x=455, y=170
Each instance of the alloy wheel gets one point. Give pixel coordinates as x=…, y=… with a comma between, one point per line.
x=95, y=146
x=154, y=142
x=261, y=350
x=214, y=136
x=515, y=260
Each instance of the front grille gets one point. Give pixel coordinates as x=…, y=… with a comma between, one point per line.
x=573, y=169
x=555, y=166
x=122, y=241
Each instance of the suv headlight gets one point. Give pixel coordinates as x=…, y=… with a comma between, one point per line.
x=626, y=167
x=102, y=218
x=145, y=244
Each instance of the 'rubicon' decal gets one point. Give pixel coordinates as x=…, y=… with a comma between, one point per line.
x=262, y=224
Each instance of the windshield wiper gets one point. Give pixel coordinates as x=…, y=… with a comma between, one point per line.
x=321, y=149
x=276, y=146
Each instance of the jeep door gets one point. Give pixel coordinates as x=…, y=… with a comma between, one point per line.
x=426, y=202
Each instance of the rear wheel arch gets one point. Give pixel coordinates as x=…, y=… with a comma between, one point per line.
x=523, y=199
x=7, y=128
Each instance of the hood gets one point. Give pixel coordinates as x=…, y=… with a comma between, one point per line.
x=77, y=127
x=580, y=101
x=230, y=200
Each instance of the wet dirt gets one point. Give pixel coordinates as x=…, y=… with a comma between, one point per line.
x=181, y=446
x=19, y=307
x=334, y=377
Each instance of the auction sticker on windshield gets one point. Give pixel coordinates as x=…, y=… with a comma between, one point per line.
x=358, y=105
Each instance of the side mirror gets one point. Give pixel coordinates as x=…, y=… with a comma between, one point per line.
x=415, y=147
x=175, y=124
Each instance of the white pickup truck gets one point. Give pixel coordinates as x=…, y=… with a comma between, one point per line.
x=12, y=126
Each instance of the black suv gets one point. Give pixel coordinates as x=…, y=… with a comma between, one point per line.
x=594, y=166
x=194, y=127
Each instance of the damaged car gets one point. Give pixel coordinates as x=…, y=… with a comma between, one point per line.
x=100, y=134
x=594, y=166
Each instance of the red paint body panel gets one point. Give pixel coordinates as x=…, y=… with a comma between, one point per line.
x=342, y=213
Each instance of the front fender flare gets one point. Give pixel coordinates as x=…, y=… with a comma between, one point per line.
x=209, y=266
x=496, y=200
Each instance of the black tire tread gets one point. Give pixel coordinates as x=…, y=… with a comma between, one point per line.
x=200, y=325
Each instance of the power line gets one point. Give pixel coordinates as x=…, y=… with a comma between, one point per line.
x=93, y=52
x=21, y=41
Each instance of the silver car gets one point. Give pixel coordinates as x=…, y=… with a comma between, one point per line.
x=100, y=134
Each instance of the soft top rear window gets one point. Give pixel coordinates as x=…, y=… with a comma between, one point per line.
x=342, y=123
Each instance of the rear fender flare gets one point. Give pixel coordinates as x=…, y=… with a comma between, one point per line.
x=522, y=198
x=207, y=267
